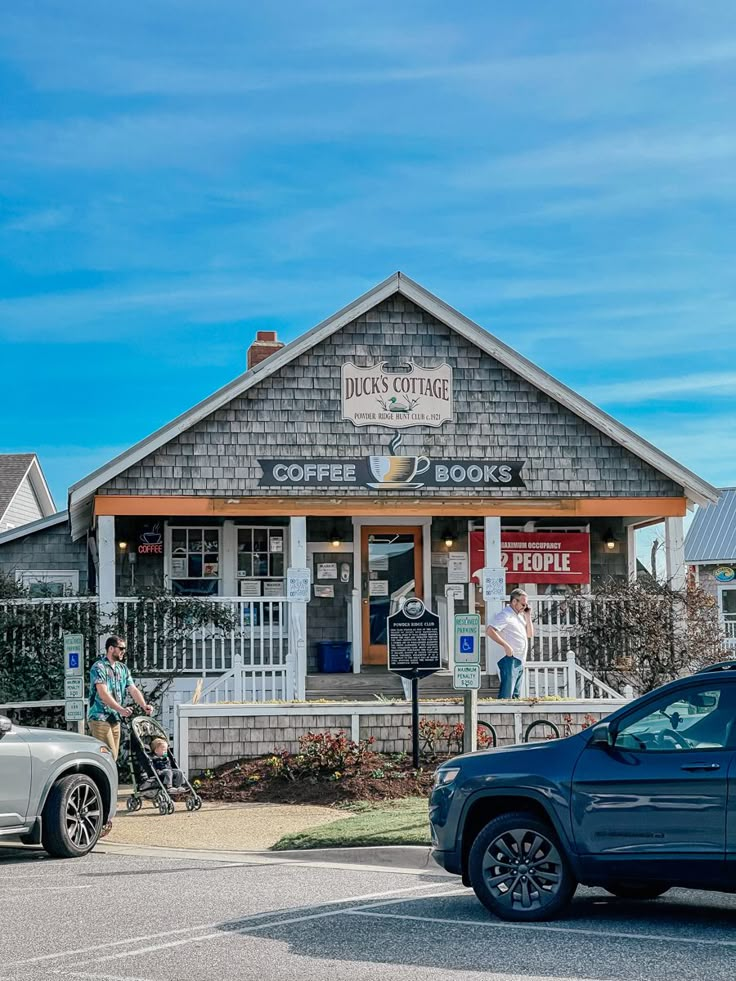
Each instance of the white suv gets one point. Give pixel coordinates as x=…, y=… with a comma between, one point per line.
x=57, y=788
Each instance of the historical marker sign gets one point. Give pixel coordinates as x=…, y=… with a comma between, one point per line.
x=414, y=640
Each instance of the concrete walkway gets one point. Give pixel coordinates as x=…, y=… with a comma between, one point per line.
x=228, y=832
x=222, y=826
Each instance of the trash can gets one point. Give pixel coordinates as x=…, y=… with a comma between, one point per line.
x=334, y=656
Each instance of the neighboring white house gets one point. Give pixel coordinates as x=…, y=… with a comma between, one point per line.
x=24, y=493
x=710, y=549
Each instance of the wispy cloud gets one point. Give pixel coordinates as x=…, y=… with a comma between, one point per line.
x=716, y=384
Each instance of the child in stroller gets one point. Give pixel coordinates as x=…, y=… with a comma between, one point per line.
x=156, y=774
x=168, y=773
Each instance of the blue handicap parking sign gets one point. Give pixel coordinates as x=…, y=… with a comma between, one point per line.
x=467, y=643
x=73, y=659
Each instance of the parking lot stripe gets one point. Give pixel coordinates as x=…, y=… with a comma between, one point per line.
x=98, y=977
x=540, y=928
x=43, y=888
x=193, y=930
x=225, y=929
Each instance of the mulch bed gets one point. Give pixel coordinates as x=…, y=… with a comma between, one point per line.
x=237, y=781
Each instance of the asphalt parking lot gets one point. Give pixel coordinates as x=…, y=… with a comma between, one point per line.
x=131, y=917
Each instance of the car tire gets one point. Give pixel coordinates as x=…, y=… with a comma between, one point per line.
x=637, y=890
x=72, y=817
x=515, y=889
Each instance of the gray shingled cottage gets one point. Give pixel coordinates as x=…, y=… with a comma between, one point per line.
x=397, y=448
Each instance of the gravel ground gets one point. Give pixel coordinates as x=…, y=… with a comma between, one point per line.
x=219, y=826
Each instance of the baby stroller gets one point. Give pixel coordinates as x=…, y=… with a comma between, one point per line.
x=147, y=784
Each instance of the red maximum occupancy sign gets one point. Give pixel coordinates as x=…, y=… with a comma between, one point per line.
x=538, y=556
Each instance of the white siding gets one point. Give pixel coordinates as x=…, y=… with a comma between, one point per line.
x=23, y=508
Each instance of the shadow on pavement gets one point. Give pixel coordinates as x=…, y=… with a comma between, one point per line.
x=601, y=938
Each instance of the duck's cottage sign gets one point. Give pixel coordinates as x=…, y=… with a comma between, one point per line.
x=397, y=396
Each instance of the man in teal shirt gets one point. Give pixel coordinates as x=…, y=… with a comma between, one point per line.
x=109, y=682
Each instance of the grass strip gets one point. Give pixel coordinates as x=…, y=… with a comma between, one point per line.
x=401, y=822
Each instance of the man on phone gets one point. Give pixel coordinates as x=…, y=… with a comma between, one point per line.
x=512, y=629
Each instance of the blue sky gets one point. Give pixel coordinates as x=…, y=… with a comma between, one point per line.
x=175, y=175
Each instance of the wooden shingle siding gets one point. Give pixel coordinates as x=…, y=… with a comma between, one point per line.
x=296, y=414
x=50, y=549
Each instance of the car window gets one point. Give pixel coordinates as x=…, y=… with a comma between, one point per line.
x=701, y=717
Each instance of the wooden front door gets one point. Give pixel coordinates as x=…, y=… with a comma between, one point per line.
x=391, y=568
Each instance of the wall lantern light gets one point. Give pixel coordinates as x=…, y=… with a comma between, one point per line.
x=448, y=537
x=609, y=540
x=335, y=539
x=123, y=547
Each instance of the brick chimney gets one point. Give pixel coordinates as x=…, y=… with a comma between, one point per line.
x=263, y=347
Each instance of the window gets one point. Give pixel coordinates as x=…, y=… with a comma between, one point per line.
x=699, y=718
x=261, y=561
x=49, y=583
x=194, y=561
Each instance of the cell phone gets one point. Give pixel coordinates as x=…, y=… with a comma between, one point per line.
x=527, y=609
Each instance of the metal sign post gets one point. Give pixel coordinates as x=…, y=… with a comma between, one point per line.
x=414, y=652
x=466, y=674
x=74, y=707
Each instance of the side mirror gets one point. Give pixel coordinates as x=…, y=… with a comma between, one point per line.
x=5, y=725
x=602, y=735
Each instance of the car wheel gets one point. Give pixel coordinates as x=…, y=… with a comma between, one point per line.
x=72, y=817
x=518, y=869
x=637, y=890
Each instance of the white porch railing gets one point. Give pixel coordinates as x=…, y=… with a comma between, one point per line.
x=729, y=628
x=566, y=679
x=257, y=637
x=246, y=683
x=557, y=621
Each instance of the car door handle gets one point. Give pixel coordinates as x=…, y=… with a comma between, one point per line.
x=701, y=766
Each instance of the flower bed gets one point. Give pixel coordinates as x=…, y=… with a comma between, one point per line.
x=328, y=769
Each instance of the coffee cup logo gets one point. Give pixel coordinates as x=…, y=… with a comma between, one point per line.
x=397, y=470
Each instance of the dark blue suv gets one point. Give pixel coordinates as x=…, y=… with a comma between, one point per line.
x=640, y=802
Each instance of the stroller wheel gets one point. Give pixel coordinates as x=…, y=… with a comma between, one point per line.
x=163, y=807
x=170, y=807
x=197, y=803
x=131, y=804
x=191, y=803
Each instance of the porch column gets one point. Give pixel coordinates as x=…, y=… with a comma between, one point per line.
x=106, y=559
x=298, y=612
x=492, y=560
x=675, y=553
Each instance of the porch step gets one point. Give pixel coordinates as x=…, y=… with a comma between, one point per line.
x=368, y=685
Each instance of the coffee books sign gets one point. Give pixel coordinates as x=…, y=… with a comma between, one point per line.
x=397, y=396
x=391, y=473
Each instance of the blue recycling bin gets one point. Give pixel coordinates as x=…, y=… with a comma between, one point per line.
x=334, y=656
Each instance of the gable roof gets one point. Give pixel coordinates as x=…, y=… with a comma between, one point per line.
x=712, y=535
x=22, y=531
x=81, y=494
x=14, y=468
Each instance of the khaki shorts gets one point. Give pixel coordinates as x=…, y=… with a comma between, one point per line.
x=106, y=732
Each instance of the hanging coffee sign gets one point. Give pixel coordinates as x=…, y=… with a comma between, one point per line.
x=397, y=396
